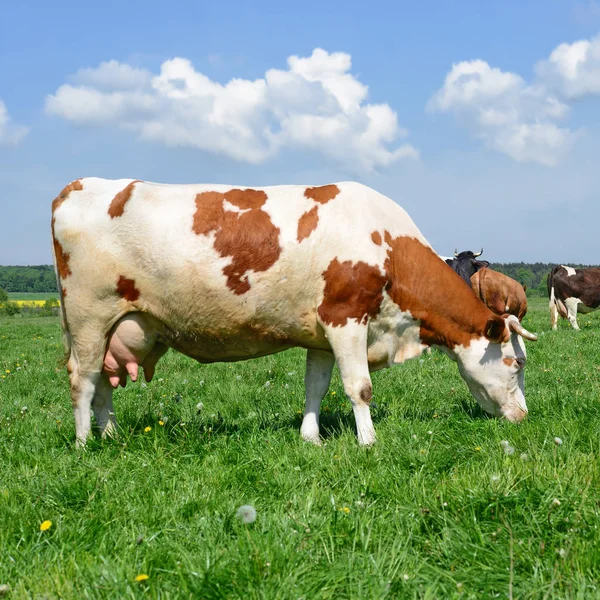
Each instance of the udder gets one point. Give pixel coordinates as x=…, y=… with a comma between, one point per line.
x=132, y=343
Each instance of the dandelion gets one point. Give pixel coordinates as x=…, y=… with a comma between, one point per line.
x=562, y=552
x=477, y=448
x=7, y=371
x=199, y=407
x=333, y=393
x=142, y=577
x=345, y=510
x=45, y=525
x=495, y=478
x=246, y=513
x=508, y=449
x=558, y=441
x=524, y=457
x=161, y=423
x=147, y=429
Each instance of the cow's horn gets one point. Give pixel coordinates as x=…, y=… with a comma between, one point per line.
x=514, y=325
x=479, y=253
x=455, y=252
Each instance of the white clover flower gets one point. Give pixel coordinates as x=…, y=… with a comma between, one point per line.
x=267, y=384
x=558, y=441
x=562, y=552
x=199, y=407
x=555, y=503
x=524, y=457
x=508, y=449
x=495, y=478
x=246, y=513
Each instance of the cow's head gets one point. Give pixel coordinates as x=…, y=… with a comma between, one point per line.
x=466, y=264
x=492, y=367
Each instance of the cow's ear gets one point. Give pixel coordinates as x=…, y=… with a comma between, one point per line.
x=495, y=330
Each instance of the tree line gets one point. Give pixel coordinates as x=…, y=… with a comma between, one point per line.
x=41, y=278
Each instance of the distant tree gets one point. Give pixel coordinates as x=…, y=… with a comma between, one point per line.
x=3, y=296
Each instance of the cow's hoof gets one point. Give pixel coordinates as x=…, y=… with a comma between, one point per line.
x=312, y=437
x=366, y=438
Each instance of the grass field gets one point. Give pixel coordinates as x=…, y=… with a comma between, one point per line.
x=438, y=508
x=31, y=296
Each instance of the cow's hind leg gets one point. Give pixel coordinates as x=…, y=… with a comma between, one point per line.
x=86, y=379
x=571, y=304
x=349, y=345
x=553, y=310
x=319, y=365
x=102, y=405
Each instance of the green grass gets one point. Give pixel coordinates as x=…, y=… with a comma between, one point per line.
x=436, y=509
x=31, y=295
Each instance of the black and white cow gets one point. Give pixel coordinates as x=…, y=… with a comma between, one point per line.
x=466, y=264
x=572, y=291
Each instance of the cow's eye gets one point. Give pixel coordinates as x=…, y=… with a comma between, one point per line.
x=521, y=362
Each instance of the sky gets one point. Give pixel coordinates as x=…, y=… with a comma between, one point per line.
x=481, y=119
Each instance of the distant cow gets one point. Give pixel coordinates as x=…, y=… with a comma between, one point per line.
x=221, y=273
x=500, y=293
x=572, y=291
x=466, y=264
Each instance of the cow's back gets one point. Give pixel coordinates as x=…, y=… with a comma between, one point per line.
x=217, y=260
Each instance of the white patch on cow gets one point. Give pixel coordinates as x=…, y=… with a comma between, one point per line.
x=553, y=309
x=233, y=208
x=570, y=270
x=572, y=307
x=498, y=388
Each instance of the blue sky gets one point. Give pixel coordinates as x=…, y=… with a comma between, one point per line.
x=486, y=128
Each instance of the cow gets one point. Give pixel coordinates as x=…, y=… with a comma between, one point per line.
x=466, y=264
x=572, y=291
x=224, y=273
x=500, y=293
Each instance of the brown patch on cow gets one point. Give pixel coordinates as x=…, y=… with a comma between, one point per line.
x=448, y=311
x=246, y=199
x=508, y=361
x=308, y=223
x=249, y=238
x=127, y=290
x=74, y=186
x=352, y=291
x=500, y=293
x=64, y=293
x=322, y=194
x=62, y=259
x=376, y=237
x=117, y=206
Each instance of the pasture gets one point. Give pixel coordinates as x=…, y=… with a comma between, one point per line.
x=448, y=503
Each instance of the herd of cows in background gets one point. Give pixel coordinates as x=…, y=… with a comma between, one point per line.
x=223, y=274
x=570, y=290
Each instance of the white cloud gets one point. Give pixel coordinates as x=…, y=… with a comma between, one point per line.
x=573, y=70
x=510, y=116
x=316, y=105
x=10, y=133
x=518, y=118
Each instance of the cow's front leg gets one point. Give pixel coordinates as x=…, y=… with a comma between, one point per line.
x=319, y=365
x=349, y=344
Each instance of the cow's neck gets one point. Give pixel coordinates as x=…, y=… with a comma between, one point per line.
x=420, y=282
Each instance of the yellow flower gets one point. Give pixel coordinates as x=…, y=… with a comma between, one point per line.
x=147, y=429
x=142, y=577
x=478, y=448
x=7, y=371
x=333, y=393
x=45, y=525
x=345, y=509
x=161, y=423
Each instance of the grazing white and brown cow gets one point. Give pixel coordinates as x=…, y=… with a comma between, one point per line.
x=225, y=274
x=500, y=293
x=572, y=291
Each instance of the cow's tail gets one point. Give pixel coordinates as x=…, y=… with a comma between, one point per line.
x=64, y=324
